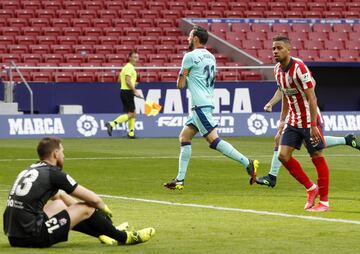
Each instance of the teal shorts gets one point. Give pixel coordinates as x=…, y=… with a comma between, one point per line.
x=201, y=118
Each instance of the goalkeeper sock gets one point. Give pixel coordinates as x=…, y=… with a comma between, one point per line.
x=104, y=227
x=119, y=119
x=334, y=141
x=85, y=228
x=131, y=125
x=228, y=150
x=184, y=158
x=275, y=164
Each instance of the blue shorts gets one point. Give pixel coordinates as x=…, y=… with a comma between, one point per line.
x=294, y=137
x=201, y=119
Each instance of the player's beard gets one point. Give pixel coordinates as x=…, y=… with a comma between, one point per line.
x=191, y=46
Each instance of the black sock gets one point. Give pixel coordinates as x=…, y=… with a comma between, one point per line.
x=85, y=228
x=103, y=226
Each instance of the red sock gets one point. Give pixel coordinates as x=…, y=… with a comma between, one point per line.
x=294, y=168
x=323, y=177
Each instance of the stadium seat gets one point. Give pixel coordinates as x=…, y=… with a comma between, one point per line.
x=233, y=14
x=297, y=44
x=17, y=22
x=72, y=5
x=300, y=27
x=156, y=31
x=240, y=27
x=117, y=58
x=123, y=49
x=68, y=40
x=128, y=14
x=156, y=5
x=351, y=14
x=175, y=58
x=53, y=58
x=170, y=14
x=273, y=14
x=318, y=36
x=329, y=55
x=260, y=27
x=149, y=76
x=133, y=31
x=294, y=14
x=17, y=49
x=308, y=55
x=317, y=45
x=113, y=31
x=25, y=14
x=74, y=58
x=83, y=49
x=253, y=44
x=31, y=5
x=322, y=28
x=114, y=5
x=148, y=40
x=6, y=40
x=25, y=40
x=103, y=49
x=66, y=14
x=145, y=49
x=212, y=14
x=81, y=22
x=168, y=76
x=349, y=55
x=230, y=76
x=106, y=76
x=3, y=49
x=298, y=36
x=41, y=76
x=281, y=28
x=143, y=22
x=10, y=31
x=169, y=40
x=63, y=77
x=297, y=6
x=265, y=55
x=95, y=58
x=93, y=5
x=277, y=6
x=164, y=49
x=128, y=40
x=89, y=40
x=72, y=31
x=253, y=14
x=353, y=45
x=251, y=75
x=60, y=22
x=157, y=58
x=39, y=49
x=101, y=22
x=61, y=49
x=84, y=76
x=258, y=36
x=339, y=45
x=223, y=27
x=31, y=58
x=317, y=6
x=218, y=6
x=107, y=14
x=197, y=6
x=6, y=58
x=7, y=13
x=164, y=23
x=192, y=13
x=108, y=40
x=179, y=49
x=135, y=5
x=52, y=5
x=238, y=6
x=312, y=14
x=46, y=31
x=149, y=14
x=258, y=6
x=342, y=28
x=332, y=15
x=354, y=36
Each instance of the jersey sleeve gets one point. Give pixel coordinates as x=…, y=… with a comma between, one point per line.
x=186, y=64
x=305, y=76
x=63, y=181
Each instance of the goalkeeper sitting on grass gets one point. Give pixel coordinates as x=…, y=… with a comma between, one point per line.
x=31, y=221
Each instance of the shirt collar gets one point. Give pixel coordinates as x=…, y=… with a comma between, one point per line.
x=287, y=68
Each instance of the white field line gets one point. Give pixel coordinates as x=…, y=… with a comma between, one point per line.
x=169, y=157
x=220, y=208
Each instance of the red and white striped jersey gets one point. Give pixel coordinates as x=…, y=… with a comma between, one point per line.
x=293, y=81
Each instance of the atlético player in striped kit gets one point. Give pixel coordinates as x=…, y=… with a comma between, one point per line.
x=299, y=103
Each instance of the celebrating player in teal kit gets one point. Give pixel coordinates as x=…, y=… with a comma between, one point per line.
x=198, y=75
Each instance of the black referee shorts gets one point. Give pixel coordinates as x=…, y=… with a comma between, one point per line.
x=51, y=231
x=127, y=98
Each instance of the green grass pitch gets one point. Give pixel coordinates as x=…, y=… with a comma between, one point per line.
x=137, y=169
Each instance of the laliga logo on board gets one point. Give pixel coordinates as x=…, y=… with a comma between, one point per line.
x=87, y=125
x=257, y=124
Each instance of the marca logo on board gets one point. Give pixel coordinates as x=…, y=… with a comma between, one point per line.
x=342, y=122
x=36, y=126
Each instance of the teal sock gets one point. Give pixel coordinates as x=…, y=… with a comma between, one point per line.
x=275, y=164
x=334, y=141
x=184, y=158
x=228, y=150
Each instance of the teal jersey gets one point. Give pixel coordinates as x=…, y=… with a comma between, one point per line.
x=199, y=66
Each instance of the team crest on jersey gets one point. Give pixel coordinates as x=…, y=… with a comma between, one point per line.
x=290, y=91
x=62, y=221
x=289, y=79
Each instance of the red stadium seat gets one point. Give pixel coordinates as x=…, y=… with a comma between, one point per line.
x=114, y=5
x=223, y=27
x=66, y=14
x=84, y=76
x=6, y=40
x=334, y=45
x=155, y=31
x=164, y=23
x=149, y=76
x=164, y=49
x=242, y=27
x=118, y=23
x=95, y=58
x=17, y=49
x=354, y=6
x=49, y=31
x=135, y=5
x=148, y=40
x=143, y=22
x=90, y=40
x=238, y=6
x=301, y=27
x=7, y=13
x=157, y=58
x=72, y=5
x=342, y=28
x=349, y=55
x=25, y=14
x=233, y=14
x=253, y=14
x=83, y=49
x=281, y=28
x=220, y=58
x=25, y=40
x=74, y=58
x=145, y=49
x=13, y=5
x=294, y=14
x=17, y=22
x=63, y=77
x=336, y=7
x=338, y=36
x=298, y=36
x=31, y=58
x=128, y=14
x=308, y=55
x=278, y=6
x=175, y=58
x=312, y=14
x=197, y=6
x=353, y=45
x=68, y=40
x=297, y=6
x=168, y=40
x=129, y=40
x=274, y=14
x=179, y=49
x=329, y=55
x=109, y=40
x=117, y=58
x=297, y=44
x=53, y=58
x=354, y=36
x=192, y=13
x=213, y=14
x=251, y=75
x=3, y=49
x=39, y=49
x=31, y=5
x=230, y=75
x=106, y=76
x=45, y=14
x=156, y=5
x=258, y=6
x=80, y=22
x=42, y=76
x=168, y=76
x=60, y=22
x=113, y=31
x=351, y=14
x=133, y=31
x=260, y=27
x=170, y=14
x=93, y=5
x=317, y=45
x=257, y=36
x=107, y=14
x=218, y=6
x=101, y=22
x=317, y=6
x=332, y=15
x=61, y=49
x=9, y=31
x=72, y=31
x=149, y=14
x=6, y=58
x=52, y=5
x=123, y=49
x=318, y=36
x=323, y=28
x=103, y=49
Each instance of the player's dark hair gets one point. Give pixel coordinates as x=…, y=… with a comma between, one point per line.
x=131, y=53
x=46, y=146
x=280, y=37
x=201, y=33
